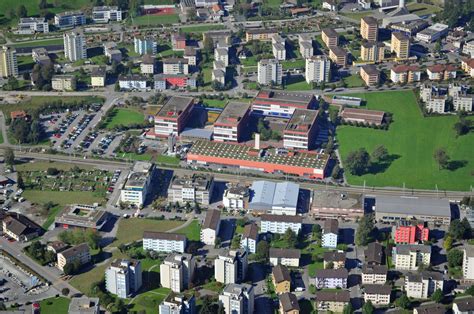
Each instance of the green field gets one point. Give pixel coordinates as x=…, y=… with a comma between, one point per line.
x=295, y=64
x=62, y=197
x=297, y=83
x=167, y=160
x=149, y=301
x=423, y=8
x=131, y=230
x=39, y=43
x=1, y=137
x=125, y=116
x=55, y=305
x=201, y=28
x=25, y=63
x=411, y=141
x=357, y=15
x=354, y=80
x=192, y=231
x=33, y=8
x=272, y=3
x=44, y=165
x=155, y=19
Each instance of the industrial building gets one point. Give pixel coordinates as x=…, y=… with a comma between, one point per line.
x=281, y=104
x=276, y=198
x=301, y=130
x=173, y=116
x=232, y=122
x=191, y=189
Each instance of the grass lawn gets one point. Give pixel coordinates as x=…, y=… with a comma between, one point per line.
x=411, y=141
x=297, y=83
x=1, y=138
x=39, y=43
x=33, y=9
x=135, y=156
x=215, y=103
x=356, y=15
x=25, y=63
x=51, y=215
x=167, y=160
x=249, y=61
x=62, y=198
x=213, y=286
x=55, y=305
x=423, y=8
x=125, y=116
x=131, y=230
x=44, y=165
x=201, y=28
x=272, y=3
x=156, y=19
x=353, y=80
x=149, y=301
x=192, y=232
x=296, y=64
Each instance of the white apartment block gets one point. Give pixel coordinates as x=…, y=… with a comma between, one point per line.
x=423, y=285
x=135, y=188
x=175, y=66
x=436, y=104
x=270, y=71
x=30, y=25
x=463, y=103
x=236, y=197
x=330, y=234
x=79, y=253
x=69, y=19
x=8, y=62
x=129, y=82
x=329, y=240
x=231, y=266
x=106, y=14
x=249, y=238
x=411, y=256
x=196, y=189
x=237, y=299
x=279, y=51
x=145, y=45
x=374, y=275
x=164, y=242
x=177, y=271
x=377, y=294
x=211, y=226
x=74, y=46
x=178, y=304
x=306, y=49
x=63, y=82
x=123, y=277
x=285, y=257
x=222, y=54
x=318, y=69
x=280, y=223
x=468, y=263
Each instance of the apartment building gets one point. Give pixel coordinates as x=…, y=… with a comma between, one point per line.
x=306, y=49
x=423, y=285
x=468, y=263
x=112, y=52
x=8, y=62
x=173, y=116
x=39, y=55
x=280, y=223
x=406, y=232
x=79, y=254
x=405, y=74
x=288, y=303
x=74, y=46
x=106, y=14
x=467, y=65
x=231, y=266
x=330, y=234
x=377, y=294
x=178, y=303
x=463, y=102
x=441, y=72
x=249, y=238
x=279, y=51
x=330, y=37
x=236, y=197
x=232, y=123
x=123, y=277
x=332, y=301
x=175, y=66
x=372, y=51
x=301, y=131
x=430, y=308
x=191, y=54
x=191, y=189
x=400, y=44
x=178, y=42
x=237, y=298
x=164, y=242
x=132, y=82
x=210, y=227
x=260, y=34
x=177, y=272
x=222, y=54
x=145, y=45
x=317, y=69
x=338, y=55
x=135, y=188
x=433, y=33
x=369, y=28
x=69, y=19
x=286, y=257
x=374, y=275
x=330, y=278
x=98, y=76
x=148, y=64
x=374, y=254
x=370, y=75
x=269, y=72
x=63, y=82
x=31, y=25
x=281, y=279
x=463, y=305
x=336, y=259
x=411, y=256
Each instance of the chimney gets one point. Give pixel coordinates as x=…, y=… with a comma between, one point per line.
x=257, y=141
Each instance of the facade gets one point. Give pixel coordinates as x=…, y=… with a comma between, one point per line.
x=77, y=254
x=132, y=82
x=369, y=28
x=178, y=42
x=237, y=299
x=135, y=188
x=441, y=72
x=337, y=259
x=123, y=277
x=407, y=233
x=178, y=304
x=332, y=301
x=281, y=279
x=317, y=69
x=84, y=305
x=145, y=45
x=165, y=81
x=231, y=266
x=270, y=71
x=148, y=64
x=377, y=294
x=175, y=66
x=433, y=33
x=63, y=82
x=370, y=75
x=232, y=122
x=20, y=227
x=467, y=66
x=236, y=197
x=331, y=278
x=177, y=272
x=374, y=275
x=195, y=189
x=306, y=49
x=74, y=46
x=249, y=238
x=106, y=14
x=277, y=198
x=285, y=257
x=366, y=116
x=210, y=227
x=69, y=19
x=260, y=34
x=405, y=74
x=222, y=54
x=372, y=51
x=31, y=25
x=279, y=51
x=423, y=285
x=164, y=242
x=411, y=256
x=338, y=55
x=468, y=263
x=301, y=130
x=330, y=37
x=330, y=234
x=281, y=104
x=280, y=223
x=173, y=116
x=98, y=76
x=400, y=44
x=288, y=303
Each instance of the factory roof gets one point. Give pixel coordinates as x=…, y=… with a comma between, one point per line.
x=277, y=96
x=175, y=106
x=233, y=113
x=302, y=120
x=268, y=194
x=412, y=205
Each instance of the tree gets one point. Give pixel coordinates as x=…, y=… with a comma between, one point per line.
x=437, y=296
x=455, y=257
x=358, y=162
x=290, y=238
x=21, y=11
x=367, y=308
x=470, y=290
x=348, y=309
x=329, y=265
x=438, y=46
x=448, y=243
x=379, y=154
x=65, y=291
x=262, y=250
x=364, y=230
x=460, y=229
x=10, y=14
x=9, y=156
x=336, y=172
x=235, y=244
x=43, y=4
x=441, y=157
x=463, y=126
x=208, y=44
x=403, y=302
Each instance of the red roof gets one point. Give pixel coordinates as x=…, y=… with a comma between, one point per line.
x=437, y=68
x=17, y=114
x=469, y=62
x=405, y=68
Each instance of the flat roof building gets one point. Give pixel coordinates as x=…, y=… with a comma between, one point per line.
x=370, y=75
x=84, y=305
x=192, y=189
x=301, y=131
x=282, y=104
x=369, y=28
x=338, y=55
x=173, y=116
x=82, y=216
x=278, y=198
x=232, y=122
x=433, y=33
x=330, y=37
x=327, y=204
x=363, y=115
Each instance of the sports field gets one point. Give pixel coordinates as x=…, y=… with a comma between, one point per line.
x=411, y=141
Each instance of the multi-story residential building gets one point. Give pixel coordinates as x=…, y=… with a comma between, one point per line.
x=260, y=34
x=31, y=25
x=331, y=278
x=249, y=238
x=270, y=71
x=317, y=69
x=178, y=304
x=177, y=272
x=463, y=102
x=282, y=104
x=98, y=76
x=123, y=277
x=164, y=242
x=468, y=48
x=63, y=82
x=430, y=308
x=148, y=64
x=423, y=285
x=222, y=54
x=173, y=116
x=79, y=254
x=135, y=188
x=330, y=234
x=306, y=49
x=112, y=52
x=40, y=55
x=330, y=37
x=144, y=45
x=286, y=257
x=195, y=189
x=400, y=44
x=411, y=256
x=279, y=51
x=374, y=275
x=106, y=14
x=463, y=305
x=281, y=279
x=232, y=122
x=210, y=227
x=468, y=263
x=237, y=298
x=436, y=104
x=84, y=305
x=369, y=28
x=301, y=130
x=231, y=266
x=338, y=55
x=440, y=72
x=336, y=259
x=74, y=46
x=370, y=75
x=175, y=66
x=406, y=232
x=377, y=294
x=8, y=62
x=178, y=42
x=280, y=223
x=288, y=303
x=374, y=254
x=69, y=19
x=236, y=197
x=332, y=301
x=405, y=74
x=191, y=54
x=132, y=82
x=372, y=51
x=219, y=74
x=433, y=33
x=467, y=65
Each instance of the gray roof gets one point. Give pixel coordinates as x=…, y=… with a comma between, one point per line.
x=334, y=296
x=469, y=251
x=331, y=226
x=282, y=218
x=75, y=250
x=250, y=231
x=374, y=253
x=164, y=236
x=465, y=304
x=289, y=302
x=212, y=220
x=418, y=277
x=431, y=308
x=83, y=305
x=378, y=289
x=332, y=273
x=281, y=273
x=375, y=269
x=285, y=253
x=334, y=256
x=412, y=205
x=407, y=248
x=267, y=194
